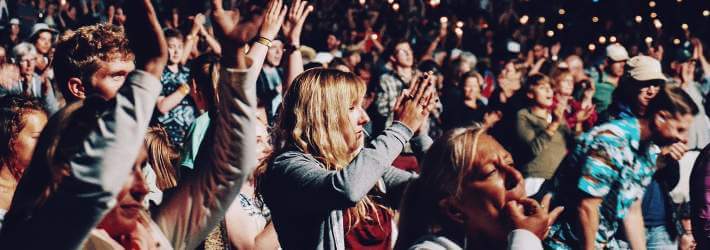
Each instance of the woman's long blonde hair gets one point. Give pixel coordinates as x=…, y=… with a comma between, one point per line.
x=314, y=118
x=443, y=172
x=161, y=157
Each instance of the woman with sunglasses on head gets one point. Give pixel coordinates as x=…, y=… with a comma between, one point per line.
x=323, y=184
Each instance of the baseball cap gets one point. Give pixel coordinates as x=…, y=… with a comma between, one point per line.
x=645, y=68
x=617, y=53
x=41, y=27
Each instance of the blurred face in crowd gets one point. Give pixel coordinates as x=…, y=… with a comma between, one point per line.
x=616, y=69
x=471, y=88
x=275, y=53
x=646, y=94
x=120, y=16
x=358, y=118
x=671, y=128
x=3, y=55
x=332, y=42
x=364, y=74
x=353, y=59
x=403, y=55
x=541, y=94
x=683, y=69
x=263, y=141
x=14, y=29
x=565, y=85
x=44, y=42
x=576, y=67
x=110, y=77
x=510, y=77
x=175, y=50
x=24, y=144
x=492, y=182
x=124, y=217
x=464, y=66
x=538, y=51
x=27, y=64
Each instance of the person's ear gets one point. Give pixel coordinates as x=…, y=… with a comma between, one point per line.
x=76, y=88
x=449, y=208
x=530, y=95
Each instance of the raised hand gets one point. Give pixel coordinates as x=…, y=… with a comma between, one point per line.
x=231, y=34
x=293, y=25
x=273, y=19
x=145, y=37
x=413, y=107
x=530, y=215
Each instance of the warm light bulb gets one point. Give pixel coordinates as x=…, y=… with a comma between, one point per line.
x=638, y=19
x=654, y=15
x=562, y=11
x=684, y=26
x=595, y=19
x=648, y=39
x=550, y=33
x=541, y=19
x=444, y=19
x=560, y=26
x=592, y=46
x=395, y=6
x=458, y=31
x=657, y=23
x=434, y=3
x=612, y=39
x=362, y=2
x=706, y=12
x=524, y=19
x=459, y=24
x=651, y=4
x=602, y=39
x=676, y=41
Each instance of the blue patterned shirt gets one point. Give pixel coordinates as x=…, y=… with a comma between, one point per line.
x=178, y=120
x=610, y=163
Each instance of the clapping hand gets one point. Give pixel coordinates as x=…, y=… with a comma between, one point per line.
x=273, y=19
x=231, y=34
x=414, y=105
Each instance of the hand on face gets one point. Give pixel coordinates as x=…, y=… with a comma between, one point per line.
x=530, y=215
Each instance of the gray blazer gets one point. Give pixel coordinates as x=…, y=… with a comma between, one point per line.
x=307, y=201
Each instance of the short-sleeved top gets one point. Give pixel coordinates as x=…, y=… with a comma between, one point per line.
x=178, y=120
x=610, y=163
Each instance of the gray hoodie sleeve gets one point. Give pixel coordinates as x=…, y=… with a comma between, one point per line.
x=97, y=172
x=312, y=187
x=226, y=157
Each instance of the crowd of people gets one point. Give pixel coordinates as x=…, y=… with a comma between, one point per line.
x=330, y=125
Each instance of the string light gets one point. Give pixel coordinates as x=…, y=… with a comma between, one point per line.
x=550, y=33
x=602, y=39
x=541, y=19
x=651, y=4
x=676, y=41
x=595, y=19
x=395, y=6
x=444, y=19
x=459, y=24
x=560, y=26
x=654, y=15
x=648, y=39
x=390, y=1
x=684, y=26
x=657, y=23
x=592, y=47
x=706, y=12
x=524, y=19
x=612, y=39
x=679, y=1
x=362, y=2
x=638, y=19
x=434, y=3
x=562, y=11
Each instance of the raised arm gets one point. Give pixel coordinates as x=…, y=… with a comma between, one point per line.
x=100, y=163
x=273, y=19
x=200, y=201
x=292, y=28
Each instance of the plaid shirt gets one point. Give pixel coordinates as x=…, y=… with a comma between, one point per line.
x=390, y=88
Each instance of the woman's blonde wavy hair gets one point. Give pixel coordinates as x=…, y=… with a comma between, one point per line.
x=314, y=118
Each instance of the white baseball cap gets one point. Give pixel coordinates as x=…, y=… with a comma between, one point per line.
x=617, y=53
x=645, y=68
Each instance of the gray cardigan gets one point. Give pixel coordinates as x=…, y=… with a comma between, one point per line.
x=307, y=201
